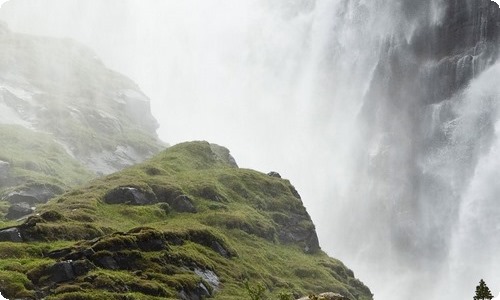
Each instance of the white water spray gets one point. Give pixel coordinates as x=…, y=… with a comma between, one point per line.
x=296, y=86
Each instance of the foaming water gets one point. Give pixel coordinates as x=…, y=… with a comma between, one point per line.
x=343, y=98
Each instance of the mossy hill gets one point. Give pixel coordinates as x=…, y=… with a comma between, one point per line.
x=186, y=224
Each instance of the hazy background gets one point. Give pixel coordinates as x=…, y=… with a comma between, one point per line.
x=281, y=84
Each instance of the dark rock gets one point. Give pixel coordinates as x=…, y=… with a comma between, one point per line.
x=166, y=193
x=274, y=174
x=11, y=235
x=210, y=193
x=106, y=262
x=183, y=204
x=294, y=192
x=299, y=230
x=82, y=267
x=217, y=247
x=62, y=272
x=152, y=245
x=19, y=210
x=35, y=194
x=57, y=254
x=129, y=195
x=198, y=293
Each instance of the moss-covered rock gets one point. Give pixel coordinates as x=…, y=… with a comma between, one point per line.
x=248, y=227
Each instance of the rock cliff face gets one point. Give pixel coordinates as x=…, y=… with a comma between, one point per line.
x=64, y=118
x=60, y=88
x=419, y=145
x=125, y=235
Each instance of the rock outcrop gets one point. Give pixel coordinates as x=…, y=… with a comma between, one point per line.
x=187, y=224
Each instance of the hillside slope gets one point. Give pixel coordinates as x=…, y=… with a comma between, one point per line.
x=187, y=224
x=64, y=118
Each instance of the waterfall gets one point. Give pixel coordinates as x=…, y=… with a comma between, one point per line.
x=384, y=113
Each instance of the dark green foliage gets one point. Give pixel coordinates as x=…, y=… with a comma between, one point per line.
x=482, y=291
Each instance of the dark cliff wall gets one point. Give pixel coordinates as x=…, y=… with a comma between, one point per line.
x=414, y=74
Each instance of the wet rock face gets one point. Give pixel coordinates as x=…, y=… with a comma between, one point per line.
x=416, y=73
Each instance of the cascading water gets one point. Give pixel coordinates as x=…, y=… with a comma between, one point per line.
x=382, y=112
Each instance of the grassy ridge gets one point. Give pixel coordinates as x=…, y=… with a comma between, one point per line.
x=159, y=250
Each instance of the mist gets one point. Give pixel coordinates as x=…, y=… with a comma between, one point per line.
x=299, y=87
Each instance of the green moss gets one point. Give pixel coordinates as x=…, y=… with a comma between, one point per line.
x=234, y=234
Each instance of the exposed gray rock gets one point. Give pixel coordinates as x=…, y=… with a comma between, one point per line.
x=11, y=235
x=299, y=229
x=274, y=174
x=327, y=296
x=209, y=276
x=222, y=154
x=129, y=195
x=183, y=203
x=19, y=210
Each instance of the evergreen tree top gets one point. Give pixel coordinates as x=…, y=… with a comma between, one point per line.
x=482, y=291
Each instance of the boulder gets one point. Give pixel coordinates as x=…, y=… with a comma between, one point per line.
x=11, y=235
x=19, y=210
x=183, y=203
x=61, y=272
x=35, y=194
x=129, y=195
x=274, y=174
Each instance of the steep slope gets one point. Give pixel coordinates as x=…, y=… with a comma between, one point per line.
x=187, y=224
x=60, y=87
x=64, y=118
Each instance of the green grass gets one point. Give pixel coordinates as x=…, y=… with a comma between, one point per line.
x=35, y=158
x=242, y=210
